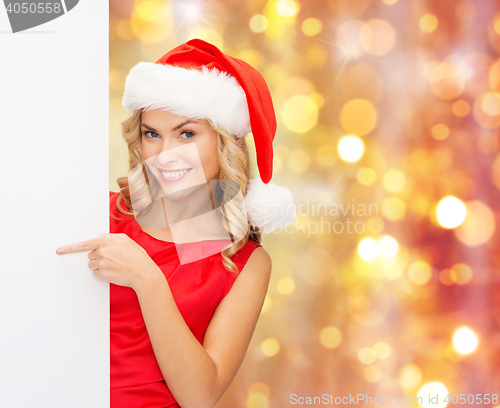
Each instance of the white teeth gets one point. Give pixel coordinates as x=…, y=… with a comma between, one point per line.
x=172, y=174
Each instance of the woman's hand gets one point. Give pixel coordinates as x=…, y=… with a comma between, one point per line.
x=116, y=258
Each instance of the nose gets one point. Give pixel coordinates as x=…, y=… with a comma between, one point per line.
x=168, y=152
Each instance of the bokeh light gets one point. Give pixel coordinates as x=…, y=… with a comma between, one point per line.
x=368, y=249
x=270, y=347
x=428, y=22
x=464, y=340
x=478, y=226
x=330, y=337
x=299, y=113
x=311, y=26
x=420, y=272
x=366, y=355
x=258, y=23
x=358, y=116
x=450, y=212
x=410, y=377
x=351, y=148
x=388, y=247
x=377, y=37
x=387, y=136
x=435, y=389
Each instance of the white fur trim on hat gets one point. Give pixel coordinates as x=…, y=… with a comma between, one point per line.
x=193, y=93
x=269, y=206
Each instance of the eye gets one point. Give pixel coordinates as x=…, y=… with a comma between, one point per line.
x=188, y=134
x=153, y=133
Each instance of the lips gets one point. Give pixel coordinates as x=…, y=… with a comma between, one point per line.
x=173, y=175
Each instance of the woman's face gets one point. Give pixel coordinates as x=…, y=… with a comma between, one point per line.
x=179, y=151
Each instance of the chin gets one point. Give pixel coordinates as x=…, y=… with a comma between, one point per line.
x=175, y=195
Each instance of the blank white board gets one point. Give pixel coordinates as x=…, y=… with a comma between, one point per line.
x=54, y=314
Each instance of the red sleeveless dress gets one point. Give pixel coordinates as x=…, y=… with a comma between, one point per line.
x=197, y=288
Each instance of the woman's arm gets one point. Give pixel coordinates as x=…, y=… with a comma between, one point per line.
x=198, y=375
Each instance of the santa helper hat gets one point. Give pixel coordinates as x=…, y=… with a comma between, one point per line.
x=198, y=81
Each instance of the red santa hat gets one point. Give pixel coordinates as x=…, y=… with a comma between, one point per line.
x=197, y=80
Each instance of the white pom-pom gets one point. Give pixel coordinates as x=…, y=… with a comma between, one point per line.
x=269, y=206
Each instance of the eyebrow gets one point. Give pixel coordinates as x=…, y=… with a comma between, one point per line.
x=175, y=128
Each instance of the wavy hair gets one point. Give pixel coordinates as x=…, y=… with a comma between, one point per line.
x=234, y=166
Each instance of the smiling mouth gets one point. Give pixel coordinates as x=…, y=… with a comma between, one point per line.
x=173, y=175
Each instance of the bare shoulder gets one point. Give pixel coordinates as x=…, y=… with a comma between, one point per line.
x=258, y=266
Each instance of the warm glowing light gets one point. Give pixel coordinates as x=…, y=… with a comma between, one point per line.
x=450, y=212
x=259, y=387
x=207, y=34
x=287, y=8
x=311, y=26
x=491, y=104
x=375, y=224
x=358, y=116
x=151, y=22
x=257, y=400
x=428, y=23
x=347, y=38
x=410, y=377
x=366, y=176
x=393, y=208
x=286, y=286
x=382, y=350
x=298, y=161
x=464, y=273
x=440, y=131
x=372, y=374
x=190, y=11
x=393, y=272
x=394, y=180
x=124, y=30
x=388, y=247
x=420, y=272
x=366, y=355
x=299, y=113
x=478, y=226
x=330, y=337
x=150, y=10
x=318, y=99
x=446, y=80
x=326, y=155
x=270, y=347
x=351, y=148
x=377, y=37
x=277, y=164
x=464, y=340
x=486, y=110
x=390, y=2
x=460, y=108
x=496, y=26
x=368, y=249
x=433, y=388
x=448, y=277
x=464, y=69
x=350, y=50
x=258, y=23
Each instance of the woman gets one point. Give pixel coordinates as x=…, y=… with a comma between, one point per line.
x=187, y=273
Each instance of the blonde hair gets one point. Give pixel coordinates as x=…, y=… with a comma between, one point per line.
x=234, y=166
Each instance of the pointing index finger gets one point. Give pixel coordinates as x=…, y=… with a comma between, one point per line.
x=83, y=246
